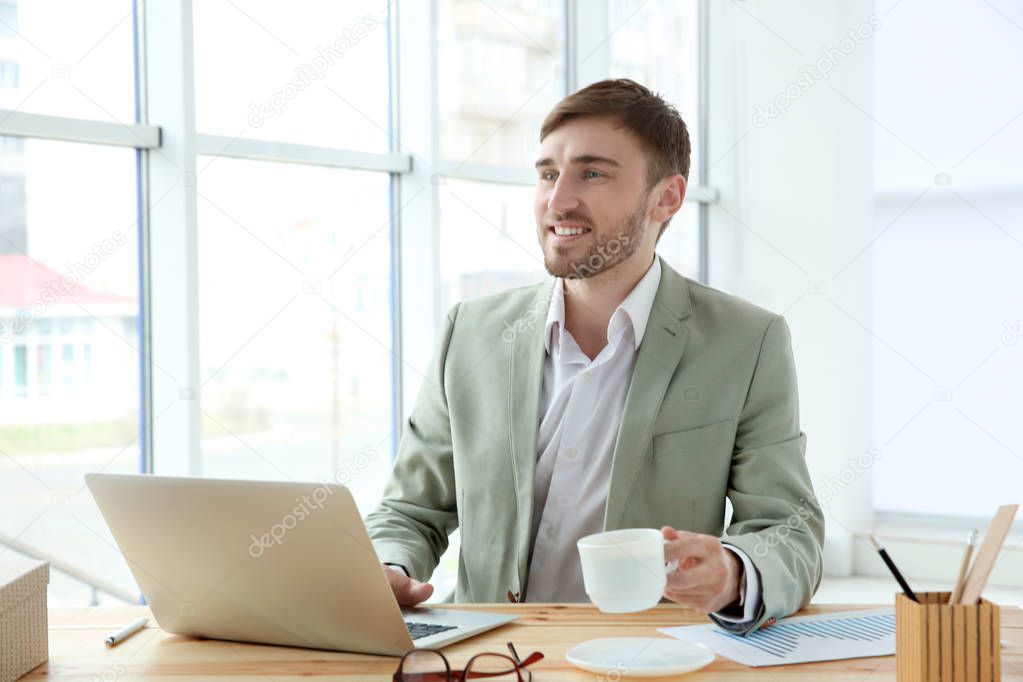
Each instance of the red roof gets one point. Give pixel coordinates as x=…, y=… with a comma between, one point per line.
x=24, y=280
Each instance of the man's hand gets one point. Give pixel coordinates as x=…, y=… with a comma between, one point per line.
x=708, y=575
x=407, y=591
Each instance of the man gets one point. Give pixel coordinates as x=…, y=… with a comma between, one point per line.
x=620, y=394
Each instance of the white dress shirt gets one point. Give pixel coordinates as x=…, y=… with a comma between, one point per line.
x=581, y=406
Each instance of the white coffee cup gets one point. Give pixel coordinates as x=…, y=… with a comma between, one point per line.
x=624, y=570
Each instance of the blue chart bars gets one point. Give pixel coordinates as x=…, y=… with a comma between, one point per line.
x=801, y=639
x=782, y=639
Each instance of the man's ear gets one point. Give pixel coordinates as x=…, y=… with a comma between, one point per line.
x=669, y=199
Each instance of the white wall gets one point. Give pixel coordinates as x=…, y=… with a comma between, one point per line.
x=950, y=204
x=796, y=208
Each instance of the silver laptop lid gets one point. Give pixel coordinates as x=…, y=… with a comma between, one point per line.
x=256, y=561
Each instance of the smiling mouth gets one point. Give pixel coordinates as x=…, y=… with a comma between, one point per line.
x=567, y=231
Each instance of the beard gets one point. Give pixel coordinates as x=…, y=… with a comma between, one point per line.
x=603, y=255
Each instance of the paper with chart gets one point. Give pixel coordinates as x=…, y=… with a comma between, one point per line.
x=801, y=639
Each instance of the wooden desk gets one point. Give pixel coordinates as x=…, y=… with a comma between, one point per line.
x=77, y=651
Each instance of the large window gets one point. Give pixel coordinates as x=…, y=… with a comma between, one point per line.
x=657, y=43
x=70, y=58
x=501, y=68
x=69, y=361
x=295, y=322
x=312, y=73
x=228, y=237
x=489, y=241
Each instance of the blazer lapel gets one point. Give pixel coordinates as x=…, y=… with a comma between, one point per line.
x=663, y=344
x=525, y=379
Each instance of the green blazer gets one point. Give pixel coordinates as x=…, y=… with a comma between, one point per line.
x=712, y=413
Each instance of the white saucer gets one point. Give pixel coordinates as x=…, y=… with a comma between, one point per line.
x=639, y=656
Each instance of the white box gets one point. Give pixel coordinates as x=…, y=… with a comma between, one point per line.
x=24, y=643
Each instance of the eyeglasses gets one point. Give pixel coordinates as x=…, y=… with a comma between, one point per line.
x=430, y=665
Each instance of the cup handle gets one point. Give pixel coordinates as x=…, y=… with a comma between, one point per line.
x=672, y=565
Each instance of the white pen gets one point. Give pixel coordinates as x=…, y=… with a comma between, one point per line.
x=126, y=632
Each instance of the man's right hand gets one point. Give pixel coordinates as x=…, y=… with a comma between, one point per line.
x=407, y=591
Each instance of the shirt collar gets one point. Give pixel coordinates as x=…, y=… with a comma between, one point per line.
x=632, y=313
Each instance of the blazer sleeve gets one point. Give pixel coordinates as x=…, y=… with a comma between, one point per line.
x=776, y=518
x=411, y=525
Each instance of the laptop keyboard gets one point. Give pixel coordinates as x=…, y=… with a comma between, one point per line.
x=418, y=630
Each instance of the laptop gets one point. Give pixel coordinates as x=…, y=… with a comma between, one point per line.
x=266, y=562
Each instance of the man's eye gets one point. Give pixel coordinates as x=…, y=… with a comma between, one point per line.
x=551, y=175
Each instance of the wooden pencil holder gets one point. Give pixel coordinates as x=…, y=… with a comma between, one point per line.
x=936, y=642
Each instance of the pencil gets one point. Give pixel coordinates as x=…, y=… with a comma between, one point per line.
x=957, y=592
x=126, y=632
x=894, y=570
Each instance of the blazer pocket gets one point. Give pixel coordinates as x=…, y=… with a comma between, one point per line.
x=697, y=438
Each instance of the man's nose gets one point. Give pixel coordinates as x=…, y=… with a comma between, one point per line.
x=563, y=198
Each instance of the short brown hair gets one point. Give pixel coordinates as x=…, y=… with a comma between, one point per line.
x=656, y=123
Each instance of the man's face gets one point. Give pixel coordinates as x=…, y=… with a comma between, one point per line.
x=591, y=199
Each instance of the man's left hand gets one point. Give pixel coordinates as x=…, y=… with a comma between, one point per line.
x=708, y=575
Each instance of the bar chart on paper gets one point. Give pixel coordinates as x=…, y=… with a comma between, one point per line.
x=801, y=639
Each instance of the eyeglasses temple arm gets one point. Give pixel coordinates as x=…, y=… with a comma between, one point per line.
x=533, y=658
